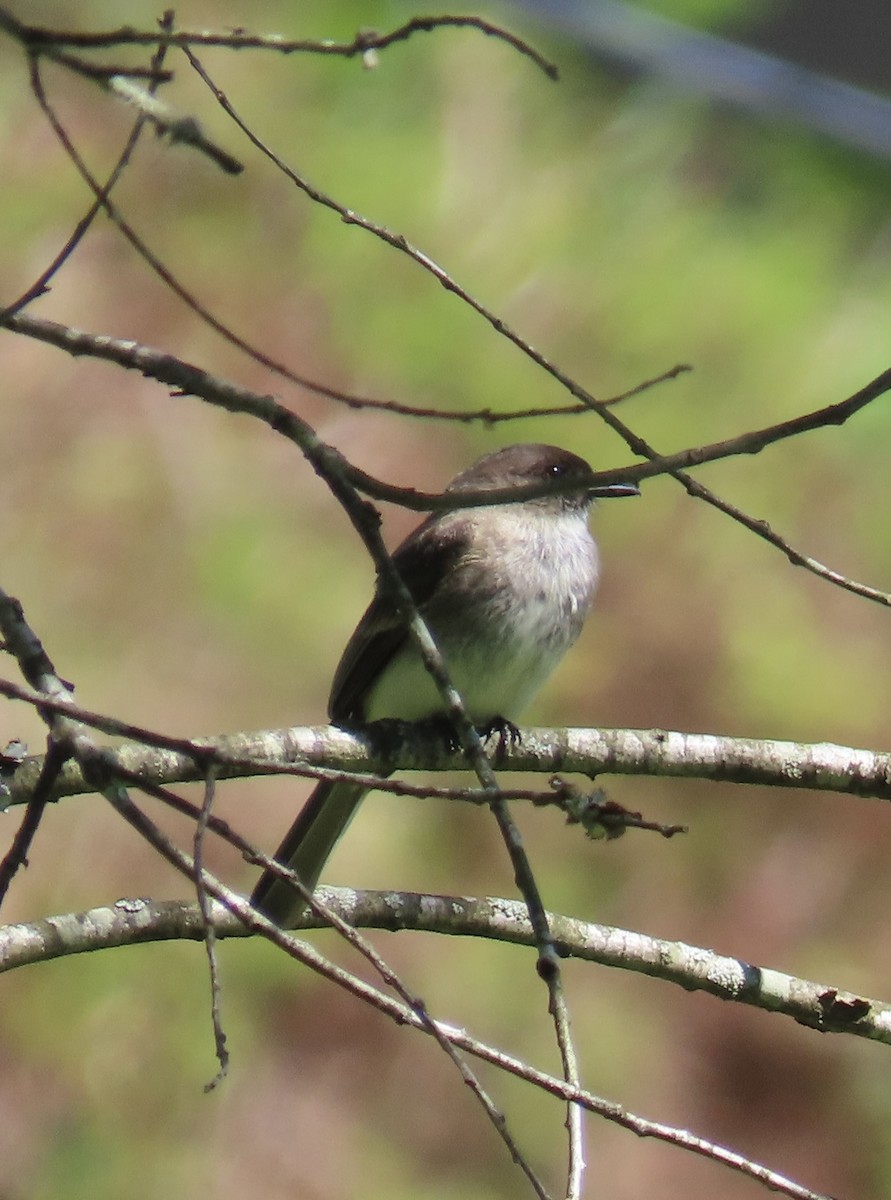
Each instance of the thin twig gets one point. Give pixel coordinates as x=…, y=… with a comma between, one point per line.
x=164, y=273
x=201, y=825
x=575, y=1164
x=464, y=416
x=45, y=40
x=16, y=856
x=194, y=381
x=131, y=920
x=170, y=280
x=746, y=443
x=41, y=284
x=119, y=799
x=361, y=944
x=20, y=640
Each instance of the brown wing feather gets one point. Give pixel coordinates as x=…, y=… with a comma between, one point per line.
x=425, y=557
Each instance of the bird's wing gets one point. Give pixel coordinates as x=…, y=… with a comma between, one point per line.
x=423, y=560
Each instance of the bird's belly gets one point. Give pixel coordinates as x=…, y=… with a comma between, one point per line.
x=497, y=673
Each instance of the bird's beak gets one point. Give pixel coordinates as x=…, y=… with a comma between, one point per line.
x=614, y=489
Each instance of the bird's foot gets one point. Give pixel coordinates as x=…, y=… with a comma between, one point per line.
x=506, y=731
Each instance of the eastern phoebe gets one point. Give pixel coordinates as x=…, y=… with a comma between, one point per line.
x=504, y=590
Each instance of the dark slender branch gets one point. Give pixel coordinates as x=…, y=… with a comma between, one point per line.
x=41, y=283
x=106, y=73
x=188, y=379
x=192, y=380
x=253, y=352
x=202, y=824
x=368, y=39
x=40, y=39
x=673, y=465
x=17, y=855
x=326, y=461
x=166, y=275
x=20, y=640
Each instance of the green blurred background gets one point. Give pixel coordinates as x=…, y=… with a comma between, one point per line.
x=189, y=572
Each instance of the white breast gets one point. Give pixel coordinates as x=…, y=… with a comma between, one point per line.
x=503, y=621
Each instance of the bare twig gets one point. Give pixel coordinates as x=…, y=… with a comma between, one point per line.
x=131, y=919
x=165, y=274
x=36, y=666
x=180, y=128
x=41, y=283
x=253, y=352
x=575, y=1161
x=206, y=910
x=35, y=38
x=188, y=379
x=320, y=909
x=673, y=465
x=194, y=381
x=120, y=800
x=325, y=459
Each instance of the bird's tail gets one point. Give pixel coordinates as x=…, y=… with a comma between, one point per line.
x=306, y=848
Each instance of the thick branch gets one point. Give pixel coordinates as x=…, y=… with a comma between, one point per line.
x=310, y=750
x=821, y=1006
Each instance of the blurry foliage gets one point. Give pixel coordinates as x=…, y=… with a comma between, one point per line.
x=186, y=570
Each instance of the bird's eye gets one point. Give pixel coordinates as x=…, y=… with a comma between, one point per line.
x=556, y=470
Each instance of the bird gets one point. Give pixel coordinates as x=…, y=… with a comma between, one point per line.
x=504, y=590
